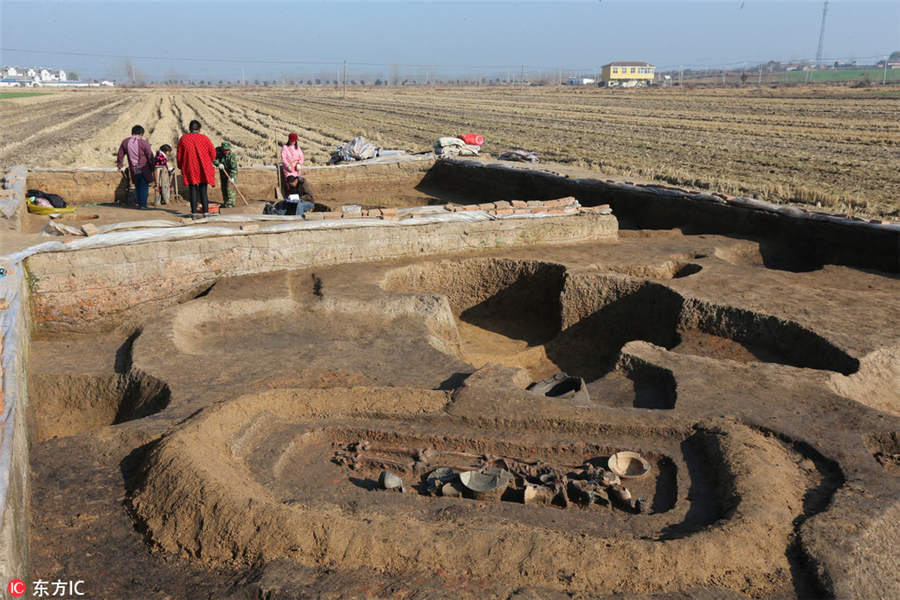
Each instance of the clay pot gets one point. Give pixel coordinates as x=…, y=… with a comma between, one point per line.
x=485, y=485
x=628, y=465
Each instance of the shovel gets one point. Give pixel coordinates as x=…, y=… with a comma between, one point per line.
x=222, y=168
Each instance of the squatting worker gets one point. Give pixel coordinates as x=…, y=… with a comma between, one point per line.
x=140, y=163
x=228, y=170
x=291, y=161
x=195, y=156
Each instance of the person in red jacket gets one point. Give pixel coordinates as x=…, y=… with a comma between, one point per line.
x=195, y=158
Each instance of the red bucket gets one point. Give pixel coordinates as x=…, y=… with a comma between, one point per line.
x=473, y=139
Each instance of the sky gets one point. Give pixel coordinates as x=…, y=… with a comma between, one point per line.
x=430, y=38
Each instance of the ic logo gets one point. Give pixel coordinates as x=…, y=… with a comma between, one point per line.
x=16, y=588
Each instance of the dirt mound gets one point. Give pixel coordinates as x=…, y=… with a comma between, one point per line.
x=252, y=480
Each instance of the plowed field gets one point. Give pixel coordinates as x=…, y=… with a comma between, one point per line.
x=838, y=148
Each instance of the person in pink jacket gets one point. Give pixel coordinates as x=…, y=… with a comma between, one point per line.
x=291, y=161
x=291, y=157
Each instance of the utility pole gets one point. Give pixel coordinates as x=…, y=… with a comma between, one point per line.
x=723, y=77
x=759, y=80
x=522, y=80
x=345, y=80
x=820, y=52
x=884, y=76
x=681, y=76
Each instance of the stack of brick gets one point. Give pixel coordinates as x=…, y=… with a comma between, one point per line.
x=387, y=214
x=559, y=206
x=502, y=208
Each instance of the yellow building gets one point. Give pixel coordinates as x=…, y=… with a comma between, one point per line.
x=627, y=73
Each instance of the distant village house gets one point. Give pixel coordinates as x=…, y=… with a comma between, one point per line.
x=30, y=76
x=627, y=73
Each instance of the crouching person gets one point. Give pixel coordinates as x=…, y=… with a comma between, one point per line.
x=299, y=196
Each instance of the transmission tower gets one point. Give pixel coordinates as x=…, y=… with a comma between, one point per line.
x=821, y=49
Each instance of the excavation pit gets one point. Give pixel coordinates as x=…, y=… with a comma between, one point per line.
x=260, y=361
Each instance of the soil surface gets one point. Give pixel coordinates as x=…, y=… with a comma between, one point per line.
x=238, y=445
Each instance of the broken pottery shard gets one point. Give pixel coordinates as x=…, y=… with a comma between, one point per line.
x=450, y=490
x=441, y=474
x=548, y=478
x=389, y=481
x=610, y=478
x=620, y=495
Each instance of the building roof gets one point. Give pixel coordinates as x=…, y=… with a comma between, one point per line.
x=628, y=63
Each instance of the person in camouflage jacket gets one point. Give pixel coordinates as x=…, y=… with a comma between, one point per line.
x=226, y=162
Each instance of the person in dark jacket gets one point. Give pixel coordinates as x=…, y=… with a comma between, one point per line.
x=140, y=163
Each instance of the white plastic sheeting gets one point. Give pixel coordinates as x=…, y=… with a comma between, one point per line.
x=205, y=229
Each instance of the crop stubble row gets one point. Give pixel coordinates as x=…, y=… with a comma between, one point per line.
x=835, y=147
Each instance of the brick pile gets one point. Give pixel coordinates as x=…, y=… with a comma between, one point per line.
x=502, y=208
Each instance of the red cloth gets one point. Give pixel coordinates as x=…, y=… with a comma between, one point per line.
x=473, y=139
x=195, y=156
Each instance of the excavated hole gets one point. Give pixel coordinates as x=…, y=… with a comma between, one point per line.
x=510, y=312
x=346, y=461
x=505, y=310
x=69, y=404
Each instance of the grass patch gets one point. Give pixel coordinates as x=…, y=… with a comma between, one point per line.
x=10, y=95
x=875, y=75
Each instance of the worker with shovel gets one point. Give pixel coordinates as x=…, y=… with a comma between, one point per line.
x=227, y=165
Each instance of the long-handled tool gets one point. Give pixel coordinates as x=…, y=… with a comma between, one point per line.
x=222, y=168
x=177, y=195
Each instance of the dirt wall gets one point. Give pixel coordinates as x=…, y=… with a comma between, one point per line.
x=15, y=492
x=104, y=185
x=811, y=238
x=105, y=287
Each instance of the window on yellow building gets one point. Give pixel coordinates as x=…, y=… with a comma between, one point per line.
x=615, y=70
x=632, y=69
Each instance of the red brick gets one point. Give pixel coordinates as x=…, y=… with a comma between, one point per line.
x=519, y=204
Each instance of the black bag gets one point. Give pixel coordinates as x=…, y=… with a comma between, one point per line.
x=55, y=200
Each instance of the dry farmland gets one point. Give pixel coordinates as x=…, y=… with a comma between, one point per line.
x=835, y=147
